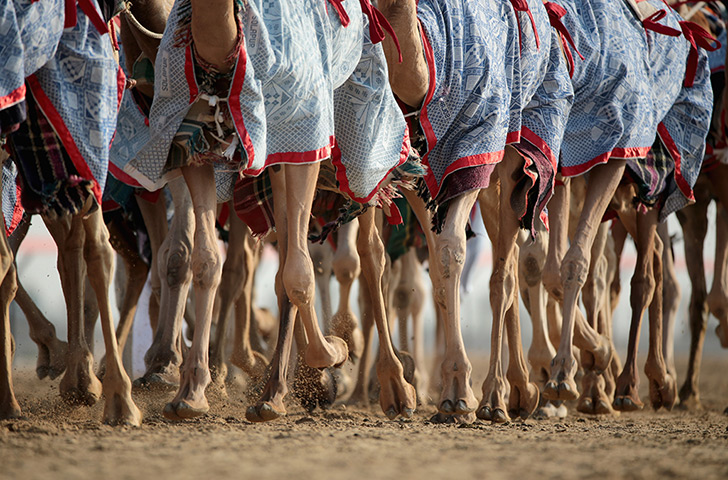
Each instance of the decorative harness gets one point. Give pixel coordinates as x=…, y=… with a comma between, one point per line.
x=556, y=13
x=378, y=24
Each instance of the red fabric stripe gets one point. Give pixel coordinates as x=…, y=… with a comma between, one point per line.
x=190, y=74
x=621, y=153
x=18, y=211
x=312, y=156
x=13, y=97
x=122, y=176
x=675, y=153
x=344, y=181
x=234, y=102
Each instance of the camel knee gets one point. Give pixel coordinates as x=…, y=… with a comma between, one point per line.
x=532, y=269
x=642, y=288
x=574, y=270
x=9, y=286
x=346, y=266
x=451, y=253
x=298, y=280
x=177, y=266
x=206, y=267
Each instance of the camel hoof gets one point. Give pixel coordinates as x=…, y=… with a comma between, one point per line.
x=485, y=413
x=263, y=413
x=442, y=419
x=499, y=416
x=157, y=381
x=183, y=411
x=314, y=388
x=627, y=404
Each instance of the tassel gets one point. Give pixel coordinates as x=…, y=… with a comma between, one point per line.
x=229, y=152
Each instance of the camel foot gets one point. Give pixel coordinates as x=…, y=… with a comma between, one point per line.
x=344, y=382
x=689, y=400
x=456, y=396
x=182, y=410
x=314, y=388
x=443, y=419
x=165, y=378
x=522, y=402
x=190, y=401
x=218, y=373
x=561, y=385
x=345, y=325
x=663, y=392
x=602, y=355
x=626, y=397
x=9, y=408
x=253, y=363
x=396, y=396
x=333, y=354
x=549, y=410
x=120, y=409
x=79, y=385
x=725, y=412
x=594, y=400
x=493, y=405
x=265, y=412
x=51, y=359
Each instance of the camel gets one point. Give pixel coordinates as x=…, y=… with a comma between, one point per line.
x=9, y=407
x=236, y=288
x=250, y=125
x=634, y=154
x=504, y=164
x=73, y=213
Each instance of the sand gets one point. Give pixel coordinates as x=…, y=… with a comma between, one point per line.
x=59, y=441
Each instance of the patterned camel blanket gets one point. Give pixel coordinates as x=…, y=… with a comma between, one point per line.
x=496, y=78
x=630, y=88
x=304, y=88
x=63, y=57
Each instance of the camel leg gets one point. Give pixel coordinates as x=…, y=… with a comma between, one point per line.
x=244, y=356
x=693, y=220
x=603, y=181
x=164, y=356
x=313, y=387
x=503, y=300
x=270, y=403
x=360, y=395
x=298, y=277
x=119, y=408
x=79, y=384
x=322, y=257
x=9, y=407
x=190, y=400
x=456, y=394
x=346, y=266
x=136, y=271
x=396, y=396
x=670, y=299
x=155, y=221
x=718, y=296
x=422, y=377
x=51, y=351
x=231, y=287
x=531, y=262
x=646, y=290
x=593, y=398
x=619, y=235
x=409, y=79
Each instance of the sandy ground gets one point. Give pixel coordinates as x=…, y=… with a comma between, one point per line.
x=58, y=441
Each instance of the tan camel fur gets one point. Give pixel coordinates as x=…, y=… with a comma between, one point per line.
x=409, y=81
x=236, y=289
